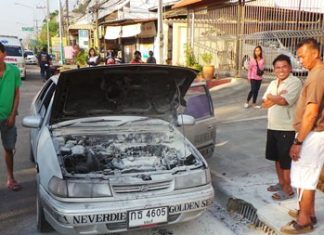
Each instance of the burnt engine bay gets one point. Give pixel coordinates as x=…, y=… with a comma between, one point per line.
x=123, y=152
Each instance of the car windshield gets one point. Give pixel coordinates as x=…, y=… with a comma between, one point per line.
x=13, y=51
x=29, y=53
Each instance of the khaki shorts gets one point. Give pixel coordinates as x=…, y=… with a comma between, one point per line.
x=305, y=172
x=8, y=135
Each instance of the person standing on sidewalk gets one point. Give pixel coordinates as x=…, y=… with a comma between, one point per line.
x=280, y=99
x=137, y=58
x=255, y=64
x=9, y=100
x=307, y=152
x=151, y=59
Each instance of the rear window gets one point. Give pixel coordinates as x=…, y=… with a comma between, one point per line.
x=198, y=103
x=29, y=53
x=13, y=51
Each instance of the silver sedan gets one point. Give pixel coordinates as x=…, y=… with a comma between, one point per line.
x=109, y=154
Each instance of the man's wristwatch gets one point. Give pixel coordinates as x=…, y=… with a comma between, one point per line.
x=297, y=142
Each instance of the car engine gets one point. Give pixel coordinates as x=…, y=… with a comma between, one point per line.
x=126, y=152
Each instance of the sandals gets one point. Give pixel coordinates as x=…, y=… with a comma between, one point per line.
x=294, y=228
x=13, y=185
x=295, y=213
x=274, y=188
x=281, y=196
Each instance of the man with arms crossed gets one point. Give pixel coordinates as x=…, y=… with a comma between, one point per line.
x=9, y=100
x=280, y=99
x=307, y=152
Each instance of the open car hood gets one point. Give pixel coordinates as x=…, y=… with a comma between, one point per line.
x=138, y=90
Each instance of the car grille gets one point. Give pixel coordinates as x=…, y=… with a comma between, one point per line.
x=117, y=226
x=174, y=217
x=131, y=188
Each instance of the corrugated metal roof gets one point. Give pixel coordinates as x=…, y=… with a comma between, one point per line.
x=184, y=3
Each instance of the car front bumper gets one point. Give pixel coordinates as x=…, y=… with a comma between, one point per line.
x=111, y=217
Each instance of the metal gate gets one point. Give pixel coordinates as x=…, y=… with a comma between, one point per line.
x=231, y=31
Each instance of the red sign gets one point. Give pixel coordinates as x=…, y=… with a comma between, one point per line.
x=11, y=59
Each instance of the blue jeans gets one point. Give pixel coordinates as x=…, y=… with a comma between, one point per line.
x=44, y=71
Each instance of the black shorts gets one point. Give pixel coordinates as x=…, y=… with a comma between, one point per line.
x=278, y=146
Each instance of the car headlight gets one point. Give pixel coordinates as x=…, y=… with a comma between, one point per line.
x=192, y=179
x=78, y=188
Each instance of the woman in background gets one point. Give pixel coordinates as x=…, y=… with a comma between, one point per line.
x=93, y=58
x=255, y=79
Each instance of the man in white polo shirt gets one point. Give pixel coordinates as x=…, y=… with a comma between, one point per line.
x=280, y=98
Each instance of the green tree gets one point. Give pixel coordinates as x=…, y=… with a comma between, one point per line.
x=53, y=30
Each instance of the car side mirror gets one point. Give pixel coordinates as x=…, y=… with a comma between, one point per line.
x=186, y=120
x=32, y=121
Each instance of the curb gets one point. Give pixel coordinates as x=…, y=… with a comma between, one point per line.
x=240, y=207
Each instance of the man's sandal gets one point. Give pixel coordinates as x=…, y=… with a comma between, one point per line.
x=274, y=188
x=294, y=228
x=281, y=196
x=13, y=185
x=295, y=213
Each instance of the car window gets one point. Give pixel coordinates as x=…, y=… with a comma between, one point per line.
x=29, y=53
x=13, y=51
x=44, y=98
x=198, y=103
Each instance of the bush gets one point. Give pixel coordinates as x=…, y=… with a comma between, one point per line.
x=190, y=57
x=207, y=58
x=197, y=66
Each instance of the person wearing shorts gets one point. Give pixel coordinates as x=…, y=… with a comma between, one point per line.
x=9, y=100
x=307, y=152
x=280, y=98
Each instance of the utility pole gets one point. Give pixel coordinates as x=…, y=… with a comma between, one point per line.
x=160, y=33
x=60, y=32
x=67, y=13
x=95, y=11
x=47, y=27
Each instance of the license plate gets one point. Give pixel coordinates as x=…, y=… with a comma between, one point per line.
x=147, y=217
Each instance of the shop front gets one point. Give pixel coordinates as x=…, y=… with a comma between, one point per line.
x=131, y=37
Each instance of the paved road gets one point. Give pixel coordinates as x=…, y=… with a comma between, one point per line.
x=17, y=209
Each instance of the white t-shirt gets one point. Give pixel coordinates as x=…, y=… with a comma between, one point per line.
x=281, y=117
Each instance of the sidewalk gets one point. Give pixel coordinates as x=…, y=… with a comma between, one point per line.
x=239, y=168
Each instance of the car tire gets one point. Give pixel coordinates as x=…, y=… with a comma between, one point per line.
x=42, y=224
x=31, y=155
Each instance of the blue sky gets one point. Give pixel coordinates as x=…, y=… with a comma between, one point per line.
x=15, y=16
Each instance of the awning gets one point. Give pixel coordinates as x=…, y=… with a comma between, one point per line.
x=131, y=30
x=113, y=32
x=142, y=30
x=184, y=3
x=81, y=26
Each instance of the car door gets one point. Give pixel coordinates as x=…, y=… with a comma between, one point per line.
x=200, y=106
x=39, y=108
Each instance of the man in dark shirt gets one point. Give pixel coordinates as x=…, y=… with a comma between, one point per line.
x=44, y=61
x=151, y=59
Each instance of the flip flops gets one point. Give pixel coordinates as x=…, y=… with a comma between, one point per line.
x=13, y=185
x=295, y=213
x=274, y=188
x=294, y=228
x=281, y=196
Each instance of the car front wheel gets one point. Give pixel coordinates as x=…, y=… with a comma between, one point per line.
x=42, y=225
